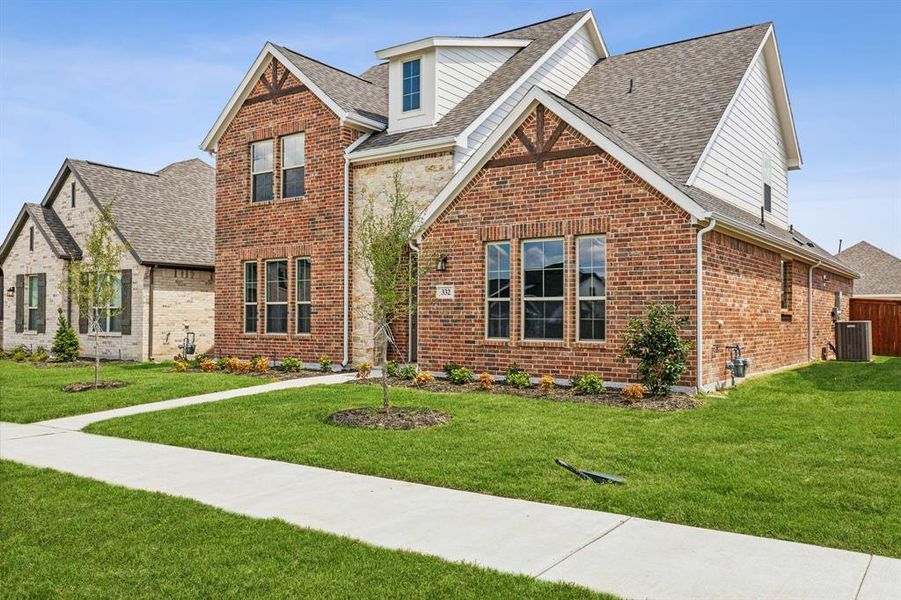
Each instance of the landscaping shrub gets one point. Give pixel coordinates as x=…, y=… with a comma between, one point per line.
x=233, y=364
x=259, y=365
x=423, y=378
x=65, y=341
x=392, y=368
x=242, y=366
x=20, y=353
x=449, y=368
x=222, y=363
x=655, y=342
x=485, y=380
x=546, y=384
x=325, y=363
x=364, y=369
x=3, y=354
x=39, y=355
x=518, y=378
x=180, y=366
x=590, y=384
x=208, y=365
x=291, y=365
x=460, y=375
x=407, y=372
x=633, y=393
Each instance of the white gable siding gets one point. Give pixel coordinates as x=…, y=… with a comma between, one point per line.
x=558, y=74
x=461, y=70
x=733, y=167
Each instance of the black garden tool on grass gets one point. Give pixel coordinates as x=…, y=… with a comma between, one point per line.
x=589, y=475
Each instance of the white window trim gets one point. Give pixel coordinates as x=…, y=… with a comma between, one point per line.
x=508, y=299
x=579, y=297
x=252, y=172
x=111, y=307
x=298, y=302
x=413, y=111
x=244, y=301
x=266, y=301
x=28, y=306
x=285, y=167
x=522, y=291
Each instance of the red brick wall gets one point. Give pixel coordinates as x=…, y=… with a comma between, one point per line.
x=650, y=257
x=311, y=226
x=742, y=288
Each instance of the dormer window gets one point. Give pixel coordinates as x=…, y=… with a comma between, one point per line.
x=411, y=85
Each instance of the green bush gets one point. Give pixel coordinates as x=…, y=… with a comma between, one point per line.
x=39, y=355
x=408, y=372
x=65, y=341
x=460, y=375
x=392, y=368
x=222, y=363
x=291, y=365
x=20, y=353
x=325, y=363
x=590, y=384
x=654, y=341
x=518, y=379
x=449, y=368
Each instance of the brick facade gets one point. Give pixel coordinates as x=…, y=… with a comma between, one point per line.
x=307, y=227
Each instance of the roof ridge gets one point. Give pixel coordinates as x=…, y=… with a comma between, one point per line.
x=98, y=164
x=187, y=160
x=324, y=64
x=692, y=39
x=538, y=23
x=869, y=245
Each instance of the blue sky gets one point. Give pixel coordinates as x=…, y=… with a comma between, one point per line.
x=139, y=84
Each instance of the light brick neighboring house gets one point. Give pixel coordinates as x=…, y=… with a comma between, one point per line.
x=164, y=220
x=568, y=188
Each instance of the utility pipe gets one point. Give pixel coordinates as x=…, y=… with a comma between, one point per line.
x=346, y=299
x=699, y=320
x=150, y=314
x=810, y=271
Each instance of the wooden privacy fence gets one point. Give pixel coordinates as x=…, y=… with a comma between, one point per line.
x=886, y=318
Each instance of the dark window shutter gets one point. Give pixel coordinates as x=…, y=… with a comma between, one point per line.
x=83, y=318
x=126, y=302
x=42, y=303
x=20, y=303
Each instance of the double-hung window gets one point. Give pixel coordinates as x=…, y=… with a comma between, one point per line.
x=107, y=314
x=261, y=171
x=786, y=285
x=250, y=297
x=592, y=287
x=411, y=83
x=304, y=304
x=277, y=296
x=33, y=294
x=542, y=289
x=292, y=165
x=497, y=292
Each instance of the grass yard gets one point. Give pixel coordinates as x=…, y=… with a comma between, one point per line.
x=811, y=455
x=33, y=393
x=64, y=536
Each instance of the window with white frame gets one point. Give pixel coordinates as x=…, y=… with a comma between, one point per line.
x=277, y=296
x=292, y=165
x=411, y=83
x=261, y=171
x=33, y=308
x=108, y=316
x=497, y=290
x=591, y=265
x=251, y=309
x=304, y=303
x=542, y=289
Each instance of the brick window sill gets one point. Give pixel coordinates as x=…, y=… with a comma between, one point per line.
x=275, y=201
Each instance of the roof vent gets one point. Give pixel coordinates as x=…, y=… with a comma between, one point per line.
x=631, y=81
x=762, y=221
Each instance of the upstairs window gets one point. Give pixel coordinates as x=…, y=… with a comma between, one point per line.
x=542, y=289
x=31, y=239
x=261, y=171
x=767, y=198
x=304, y=304
x=497, y=267
x=292, y=166
x=277, y=296
x=250, y=297
x=72, y=194
x=411, y=85
x=33, y=307
x=786, y=277
x=592, y=290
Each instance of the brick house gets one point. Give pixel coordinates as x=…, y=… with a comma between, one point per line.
x=164, y=220
x=567, y=187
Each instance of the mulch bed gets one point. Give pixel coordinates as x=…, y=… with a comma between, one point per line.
x=103, y=385
x=672, y=402
x=394, y=418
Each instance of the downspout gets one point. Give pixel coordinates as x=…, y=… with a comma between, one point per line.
x=150, y=314
x=699, y=320
x=346, y=300
x=810, y=271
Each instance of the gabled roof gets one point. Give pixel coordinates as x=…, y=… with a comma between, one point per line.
x=47, y=223
x=880, y=271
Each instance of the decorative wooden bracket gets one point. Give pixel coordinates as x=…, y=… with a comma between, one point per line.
x=275, y=87
x=541, y=151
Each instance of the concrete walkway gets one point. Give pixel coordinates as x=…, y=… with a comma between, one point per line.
x=630, y=557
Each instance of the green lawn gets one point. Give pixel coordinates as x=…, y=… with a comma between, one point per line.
x=64, y=536
x=33, y=393
x=812, y=455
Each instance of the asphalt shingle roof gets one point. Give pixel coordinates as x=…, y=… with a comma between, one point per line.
x=880, y=271
x=61, y=241
x=167, y=217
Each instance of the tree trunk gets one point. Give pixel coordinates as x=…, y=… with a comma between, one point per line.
x=96, y=356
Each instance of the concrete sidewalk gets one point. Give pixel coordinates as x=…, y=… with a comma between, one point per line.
x=630, y=557
x=78, y=422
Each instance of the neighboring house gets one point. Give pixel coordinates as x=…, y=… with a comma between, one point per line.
x=877, y=294
x=165, y=221
x=569, y=188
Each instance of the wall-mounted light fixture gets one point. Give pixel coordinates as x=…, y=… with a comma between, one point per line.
x=442, y=264
x=11, y=291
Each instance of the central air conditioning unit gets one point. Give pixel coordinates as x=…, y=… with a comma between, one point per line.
x=854, y=340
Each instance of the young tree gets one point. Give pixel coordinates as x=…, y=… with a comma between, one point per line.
x=384, y=236
x=93, y=282
x=65, y=342
x=655, y=342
